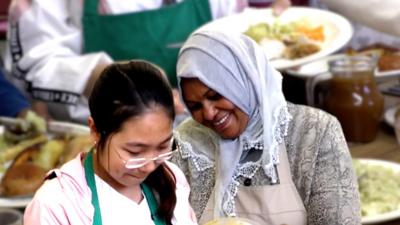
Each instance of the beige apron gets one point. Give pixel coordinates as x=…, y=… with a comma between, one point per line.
x=268, y=205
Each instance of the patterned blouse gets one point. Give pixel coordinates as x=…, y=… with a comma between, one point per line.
x=320, y=163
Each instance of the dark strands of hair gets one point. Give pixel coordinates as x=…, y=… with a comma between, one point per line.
x=128, y=90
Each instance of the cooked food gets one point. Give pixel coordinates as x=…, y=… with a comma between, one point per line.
x=48, y=155
x=379, y=188
x=388, y=57
x=28, y=127
x=25, y=158
x=25, y=175
x=389, y=61
x=299, y=37
x=27, y=172
x=11, y=152
x=75, y=146
x=22, y=179
x=300, y=50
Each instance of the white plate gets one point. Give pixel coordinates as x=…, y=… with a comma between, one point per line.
x=389, y=215
x=53, y=127
x=337, y=29
x=67, y=128
x=321, y=66
x=389, y=73
x=389, y=115
x=313, y=68
x=17, y=202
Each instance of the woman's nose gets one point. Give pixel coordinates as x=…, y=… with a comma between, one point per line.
x=209, y=111
x=148, y=167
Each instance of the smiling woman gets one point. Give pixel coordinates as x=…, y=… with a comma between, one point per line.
x=131, y=121
x=249, y=153
x=212, y=109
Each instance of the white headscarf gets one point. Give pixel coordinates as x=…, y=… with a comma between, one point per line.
x=237, y=68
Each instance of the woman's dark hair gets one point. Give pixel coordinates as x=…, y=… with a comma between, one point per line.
x=128, y=90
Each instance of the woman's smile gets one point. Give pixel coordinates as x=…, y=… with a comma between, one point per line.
x=222, y=124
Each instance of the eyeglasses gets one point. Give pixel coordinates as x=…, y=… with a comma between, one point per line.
x=139, y=162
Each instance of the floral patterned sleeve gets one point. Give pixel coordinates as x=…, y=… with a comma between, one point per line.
x=334, y=192
x=322, y=168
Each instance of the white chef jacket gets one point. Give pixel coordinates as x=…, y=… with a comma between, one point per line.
x=380, y=15
x=47, y=48
x=373, y=21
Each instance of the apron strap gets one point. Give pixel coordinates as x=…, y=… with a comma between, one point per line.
x=89, y=175
x=153, y=204
x=90, y=7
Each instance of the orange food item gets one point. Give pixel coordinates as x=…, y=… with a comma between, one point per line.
x=389, y=62
x=316, y=34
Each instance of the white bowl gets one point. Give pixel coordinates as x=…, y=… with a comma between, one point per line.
x=10, y=216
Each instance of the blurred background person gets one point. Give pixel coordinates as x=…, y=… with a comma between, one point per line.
x=58, y=47
x=374, y=22
x=379, y=15
x=13, y=102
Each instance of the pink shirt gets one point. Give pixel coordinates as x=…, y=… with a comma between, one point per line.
x=66, y=199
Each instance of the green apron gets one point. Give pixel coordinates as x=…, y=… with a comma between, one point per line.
x=89, y=175
x=152, y=35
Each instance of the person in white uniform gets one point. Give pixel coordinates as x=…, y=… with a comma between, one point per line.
x=58, y=47
x=374, y=22
x=248, y=152
x=380, y=15
x=125, y=178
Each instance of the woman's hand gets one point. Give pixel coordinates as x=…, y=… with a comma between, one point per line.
x=279, y=6
x=40, y=108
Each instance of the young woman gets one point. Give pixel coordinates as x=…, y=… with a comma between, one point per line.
x=125, y=178
x=248, y=152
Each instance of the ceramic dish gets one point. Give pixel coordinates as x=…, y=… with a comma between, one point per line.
x=337, y=33
x=375, y=165
x=321, y=66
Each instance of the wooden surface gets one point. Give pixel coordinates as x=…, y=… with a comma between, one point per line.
x=384, y=146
